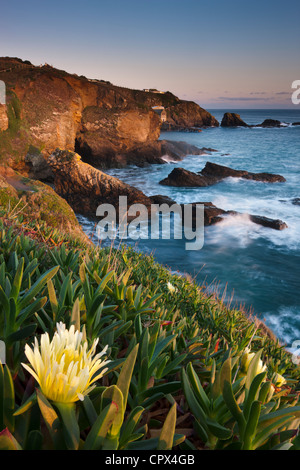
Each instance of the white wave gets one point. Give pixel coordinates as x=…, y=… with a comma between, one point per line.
x=166, y=158
x=241, y=226
x=285, y=323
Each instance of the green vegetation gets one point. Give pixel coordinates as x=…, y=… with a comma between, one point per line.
x=13, y=113
x=12, y=141
x=185, y=371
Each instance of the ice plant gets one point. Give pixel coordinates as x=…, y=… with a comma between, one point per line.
x=279, y=380
x=246, y=359
x=64, y=367
x=171, y=288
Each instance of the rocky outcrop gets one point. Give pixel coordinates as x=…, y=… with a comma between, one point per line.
x=38, y=167
x=269, y=123
x=180, y=113
x=296, y=201
x=105, y=134
x=161, y=199
x=3, y=117
x=36, y=201
x=85, y=187
x=182, y=178
x=212, y=174
x=50, y=108
x=162, y=151
x=214, y=215
x=219, y=172
x=233, y=120
x=275, y=224
x=159, y=152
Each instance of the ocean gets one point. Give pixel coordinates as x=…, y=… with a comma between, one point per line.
x=252, y=266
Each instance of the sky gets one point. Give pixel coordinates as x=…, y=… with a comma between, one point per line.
x=222, y=54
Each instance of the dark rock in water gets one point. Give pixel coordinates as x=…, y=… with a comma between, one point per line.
x=219, y=172
x=232, y=120
x=212, y=174
x=184, y=178
x=276, y=224
x=295, y=201
x=214, y=215
x=149, y=153
x=296, y=124
x=269, y=123
x=160, y=199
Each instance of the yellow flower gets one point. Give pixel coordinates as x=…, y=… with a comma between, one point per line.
x=279, y=380
x=171, y=288
x=64, y=368
x=246, y=359
x=260, y=367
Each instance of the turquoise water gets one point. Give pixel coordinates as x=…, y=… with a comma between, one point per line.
x=260, y=267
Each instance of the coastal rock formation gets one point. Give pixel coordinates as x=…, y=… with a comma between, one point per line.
x=161, y=199
x=85, y=187
x=158, y=152
x=37, y=165
x=3, y=117
x=296, y=124
x=181, y=114
x=212, y=174
x=219, y=172
x=182, y=178
x=214, y=215
x=106, y=133
x=36, y=200
x=269, y=123
x=233, y=120
x=50, y=108
x=275, y=224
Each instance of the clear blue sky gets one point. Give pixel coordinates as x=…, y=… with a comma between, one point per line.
x=221, y=54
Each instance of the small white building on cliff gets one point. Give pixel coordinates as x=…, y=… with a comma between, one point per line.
x=153, y=90
x=160, y=110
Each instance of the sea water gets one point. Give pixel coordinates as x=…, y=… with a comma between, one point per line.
x=256, y=267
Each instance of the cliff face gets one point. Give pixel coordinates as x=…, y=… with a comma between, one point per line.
x=108, y=132
x=179, y=112
x=49, y=108
x=3, y=118
x=85, y=187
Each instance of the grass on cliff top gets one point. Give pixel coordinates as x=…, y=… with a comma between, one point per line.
x=231, y=326
x=127, y=300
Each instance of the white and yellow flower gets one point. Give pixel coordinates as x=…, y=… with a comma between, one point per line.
x=64, y=367
x=171, y=288
x=279, y=380
x=247, y=359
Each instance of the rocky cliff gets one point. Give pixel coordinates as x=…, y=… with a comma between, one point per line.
x=49, y=108
x=85, y=188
